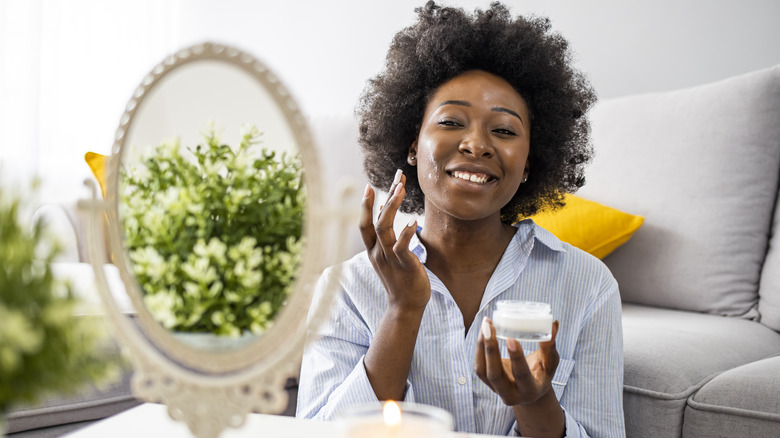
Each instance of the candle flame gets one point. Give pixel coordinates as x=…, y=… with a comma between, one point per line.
x=392, y=413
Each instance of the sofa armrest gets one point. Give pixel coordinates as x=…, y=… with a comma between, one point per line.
x=67, y=224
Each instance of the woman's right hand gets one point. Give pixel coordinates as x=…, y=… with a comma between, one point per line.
x=401, y=272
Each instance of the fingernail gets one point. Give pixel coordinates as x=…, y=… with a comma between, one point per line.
x=397, y=189
x=411, y=222
x=397, y=178
x=485, y=328
x=511, y=345
x=367, y=191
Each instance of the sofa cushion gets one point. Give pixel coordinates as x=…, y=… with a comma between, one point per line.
x=594, y=228
x=701, y=165
x=739, y=402
x=98, y=164
x=769, y=289
x=670, y=354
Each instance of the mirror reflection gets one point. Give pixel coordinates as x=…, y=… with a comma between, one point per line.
x=211, y=205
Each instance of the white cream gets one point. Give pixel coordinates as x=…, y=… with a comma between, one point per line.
x=524, y=323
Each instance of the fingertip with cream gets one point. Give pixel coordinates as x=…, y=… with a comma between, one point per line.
x=397, y=177
x=486, y=332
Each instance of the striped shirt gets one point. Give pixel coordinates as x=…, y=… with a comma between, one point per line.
x=536, y=266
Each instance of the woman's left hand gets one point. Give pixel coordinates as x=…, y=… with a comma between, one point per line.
x=518, y=380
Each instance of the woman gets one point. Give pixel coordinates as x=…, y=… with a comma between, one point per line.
x=483, y=116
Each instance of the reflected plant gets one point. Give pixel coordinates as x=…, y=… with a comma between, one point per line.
x=215, y=235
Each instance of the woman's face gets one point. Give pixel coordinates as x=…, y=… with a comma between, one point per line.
x=472, y=150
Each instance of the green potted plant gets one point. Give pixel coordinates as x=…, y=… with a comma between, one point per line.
x=44, y=347
x=214, y=233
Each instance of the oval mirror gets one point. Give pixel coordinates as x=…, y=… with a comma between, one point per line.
x=211, y=205
x=213, y=189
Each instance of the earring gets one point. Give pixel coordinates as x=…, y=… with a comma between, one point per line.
x=525, y=179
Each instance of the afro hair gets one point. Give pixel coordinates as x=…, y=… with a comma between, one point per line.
x=447, y=42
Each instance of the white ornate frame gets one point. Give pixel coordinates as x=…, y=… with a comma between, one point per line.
x=212, y=391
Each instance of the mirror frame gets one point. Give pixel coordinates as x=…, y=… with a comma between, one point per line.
x=287, y=320
x=214, y=390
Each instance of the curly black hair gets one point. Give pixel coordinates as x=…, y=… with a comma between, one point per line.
x=446, y=42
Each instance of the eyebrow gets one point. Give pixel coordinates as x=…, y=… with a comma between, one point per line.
x=508, y=111
x=495, y=108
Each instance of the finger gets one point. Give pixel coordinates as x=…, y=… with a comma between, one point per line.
x=550, y=355
x=365, y=223
x=494, y=367
x=479, y=360
x=520, y=370
x=385, y=232
x=396, y=180
x=392, y=198
x=401, y=247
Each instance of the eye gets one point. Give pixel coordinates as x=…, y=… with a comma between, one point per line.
x=449, y=122
x=504, y=131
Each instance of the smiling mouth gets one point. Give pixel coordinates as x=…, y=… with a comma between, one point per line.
x=479, y=178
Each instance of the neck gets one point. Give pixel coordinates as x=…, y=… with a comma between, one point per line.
x=455, y=245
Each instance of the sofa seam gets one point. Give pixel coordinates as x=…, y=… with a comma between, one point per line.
x=717, y=409
x=684, y=395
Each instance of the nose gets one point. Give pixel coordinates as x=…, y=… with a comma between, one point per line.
x=477, y=144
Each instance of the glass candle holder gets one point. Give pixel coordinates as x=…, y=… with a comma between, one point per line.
x=523, y=320
x=395, y=420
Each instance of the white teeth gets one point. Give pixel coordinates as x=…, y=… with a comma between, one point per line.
x=470, y=177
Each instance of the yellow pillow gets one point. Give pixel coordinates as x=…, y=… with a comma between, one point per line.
x=99, y=165
x=590, y=226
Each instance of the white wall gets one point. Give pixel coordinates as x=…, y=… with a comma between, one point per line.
x=326, y=50
x=67, y=69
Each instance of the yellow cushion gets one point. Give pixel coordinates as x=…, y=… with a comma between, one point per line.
x=98, y=164
x=590, y=226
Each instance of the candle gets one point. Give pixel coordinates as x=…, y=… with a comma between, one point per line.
x=523, y=320
x=396, y=420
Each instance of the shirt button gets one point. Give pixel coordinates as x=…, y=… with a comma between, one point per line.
x=462, y=380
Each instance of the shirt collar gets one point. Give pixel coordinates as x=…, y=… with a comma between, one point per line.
x=525, y=229
x=543, y=236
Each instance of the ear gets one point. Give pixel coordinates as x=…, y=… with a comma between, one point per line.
x=527, y=170
x=411, y=158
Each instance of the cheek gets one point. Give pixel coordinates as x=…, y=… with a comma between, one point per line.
x=518, y=157
x=429, y=169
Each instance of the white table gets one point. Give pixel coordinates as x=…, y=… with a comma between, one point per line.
x=151, y=420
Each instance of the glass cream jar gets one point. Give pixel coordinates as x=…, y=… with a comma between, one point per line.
x=523, y=320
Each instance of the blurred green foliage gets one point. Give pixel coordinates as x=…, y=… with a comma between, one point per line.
x=44, y=347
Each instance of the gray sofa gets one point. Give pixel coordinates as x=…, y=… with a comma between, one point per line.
x=700, y=280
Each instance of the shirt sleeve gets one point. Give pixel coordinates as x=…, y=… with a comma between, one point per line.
x=333, y=376
x=593, y=398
